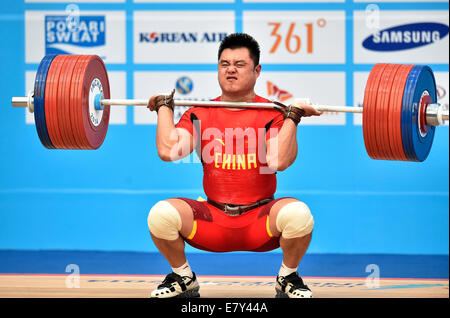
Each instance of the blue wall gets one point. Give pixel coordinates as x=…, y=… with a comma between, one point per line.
x=99, y=200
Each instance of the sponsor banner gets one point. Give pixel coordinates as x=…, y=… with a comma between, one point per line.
x=326, y=88
x=73, y=1
x=400, y=36
x=296, y=1
x=399, y=1
x=360, y=80
x=182, y=1
x=75, y=32
x=188, y=85
x=180, y=36
x=298, y=36
x=118, y=87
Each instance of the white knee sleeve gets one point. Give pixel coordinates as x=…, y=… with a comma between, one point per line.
x=164, y=221
x=294, y=220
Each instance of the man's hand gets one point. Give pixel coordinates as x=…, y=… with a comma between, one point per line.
x=301, y=107
x=157, y=101
x=307, y=106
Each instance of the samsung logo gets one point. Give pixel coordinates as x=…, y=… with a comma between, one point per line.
x=404, y=37
x=181, y=37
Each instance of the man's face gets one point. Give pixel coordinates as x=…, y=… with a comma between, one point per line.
x=237, y=72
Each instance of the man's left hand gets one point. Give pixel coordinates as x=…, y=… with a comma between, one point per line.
x=307, y=106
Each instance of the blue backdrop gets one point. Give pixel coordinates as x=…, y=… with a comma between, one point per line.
x=99, y=200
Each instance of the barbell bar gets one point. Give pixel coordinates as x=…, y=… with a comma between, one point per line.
x=71, y=104
x=29, y=103
x=435, y=114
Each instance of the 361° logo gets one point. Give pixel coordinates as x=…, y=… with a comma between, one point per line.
x=292, y=41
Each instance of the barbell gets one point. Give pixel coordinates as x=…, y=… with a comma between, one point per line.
x=71, y=104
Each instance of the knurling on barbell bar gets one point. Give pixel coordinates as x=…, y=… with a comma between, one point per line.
x=71, y=104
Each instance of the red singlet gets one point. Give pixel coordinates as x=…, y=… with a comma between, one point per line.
x=231, y=145
x=233, y=150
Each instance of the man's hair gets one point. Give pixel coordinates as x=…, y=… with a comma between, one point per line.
x=238, y=40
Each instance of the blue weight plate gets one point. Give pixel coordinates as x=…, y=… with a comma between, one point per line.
x=39, y=101
x=407, y=109
x=422, y=144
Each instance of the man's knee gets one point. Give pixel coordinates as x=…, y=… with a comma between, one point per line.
x=164, y=221
x=294, y=220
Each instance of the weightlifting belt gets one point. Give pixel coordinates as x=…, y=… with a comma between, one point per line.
x=236, y=209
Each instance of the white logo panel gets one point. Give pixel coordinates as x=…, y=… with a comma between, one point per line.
x=92, y=32
x=180, y=36
x=298, y=36
x=325, y=88
x=400, y=36
x=188, y=85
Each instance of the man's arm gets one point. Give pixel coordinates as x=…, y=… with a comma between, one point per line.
x=282, y=150
x=172, y=143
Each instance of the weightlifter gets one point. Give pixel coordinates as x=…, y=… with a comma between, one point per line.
x=241, y=150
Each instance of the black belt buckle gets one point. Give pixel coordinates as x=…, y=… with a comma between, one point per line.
x=235, y=210
x=232, y=210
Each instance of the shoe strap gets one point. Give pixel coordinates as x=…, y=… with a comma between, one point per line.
x=173, y=277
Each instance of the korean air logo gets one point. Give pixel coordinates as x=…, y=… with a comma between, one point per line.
x=405, y=37
x=184, y=85
x=181, y=37
x=64, y=35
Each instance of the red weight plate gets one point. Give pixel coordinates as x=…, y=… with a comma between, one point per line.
x=369, y=110
x=379, y=111
x=383, y=102
x=57, y=107
x=366, y=106
x=92, y=75
x=48, y=111
x=75, y=100
x=95, y=123
x=66, y=100
x=74, y=111
x=63, y=104
x=51, y=89
x=396, y=112
x=387, y=113
x=378, y=151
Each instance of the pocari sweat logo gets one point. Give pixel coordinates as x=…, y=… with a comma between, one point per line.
x=404, y=37
x=63, y=37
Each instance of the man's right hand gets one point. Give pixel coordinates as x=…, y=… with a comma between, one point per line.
x=157, y=101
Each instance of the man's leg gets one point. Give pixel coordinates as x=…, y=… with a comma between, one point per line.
x=293, y=248
x=292, y=222
x=167, y=220
x=173, y=250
